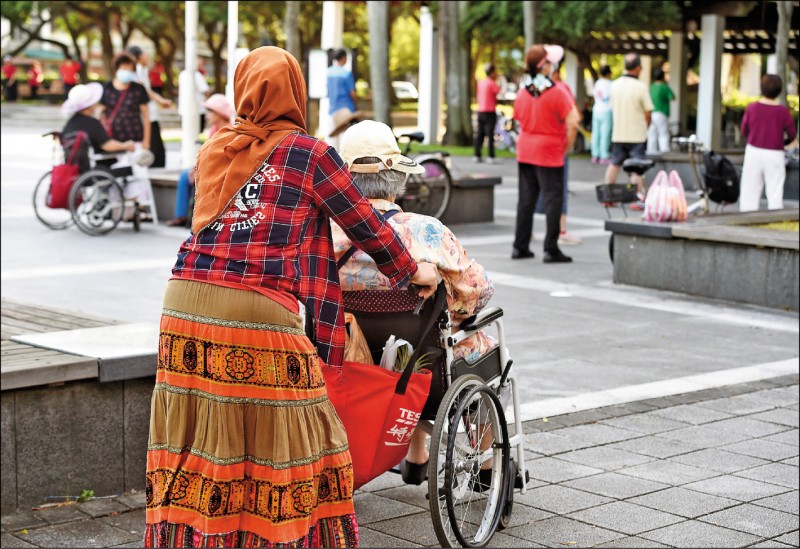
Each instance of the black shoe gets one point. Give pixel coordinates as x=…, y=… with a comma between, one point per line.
x=413, y=473
x=556, y=257
x=521, y=254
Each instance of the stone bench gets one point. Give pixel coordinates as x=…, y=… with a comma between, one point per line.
x=471, y=199
x=471, y=196
x=718, y=256
x=75, y=404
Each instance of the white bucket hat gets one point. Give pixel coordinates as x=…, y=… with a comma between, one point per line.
x=371, y=138
x=82, y=97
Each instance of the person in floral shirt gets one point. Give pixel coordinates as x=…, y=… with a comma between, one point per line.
x=379, y=171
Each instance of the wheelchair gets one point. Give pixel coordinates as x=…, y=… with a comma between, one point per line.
x=98, y=199
x=463, y=415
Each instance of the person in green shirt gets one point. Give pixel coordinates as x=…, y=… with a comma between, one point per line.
x=658, y=133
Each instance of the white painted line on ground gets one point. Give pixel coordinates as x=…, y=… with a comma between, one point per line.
x=165, y=264
x=657, y=389
x=657, y=301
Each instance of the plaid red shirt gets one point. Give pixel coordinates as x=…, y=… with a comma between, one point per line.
x=275, y=233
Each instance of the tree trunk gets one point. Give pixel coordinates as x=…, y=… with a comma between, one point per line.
x=456, y=132
x=782, y=41
x=530, y=13
x=290, y=27
x=378, y=17
x=216, y=52
x=108, y=46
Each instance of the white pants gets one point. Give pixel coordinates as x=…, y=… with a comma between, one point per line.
x=762, y=167
x=658, y=133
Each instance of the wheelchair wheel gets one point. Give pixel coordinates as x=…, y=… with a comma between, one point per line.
x=467, y=503
x=428, y=193
x=53, y=218
x=96, y=202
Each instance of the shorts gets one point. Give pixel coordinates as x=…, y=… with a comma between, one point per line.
x=622, y=151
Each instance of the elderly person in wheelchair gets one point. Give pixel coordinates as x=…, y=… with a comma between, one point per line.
x=371, y=153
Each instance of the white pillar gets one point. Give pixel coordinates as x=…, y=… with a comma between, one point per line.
x=190, y=115
x=709, y=96
x=332, y=30
x=574, y=78
x=677, y=80
x=233, y=39
x=647, y=70
x=772, y=65
x=428, y=105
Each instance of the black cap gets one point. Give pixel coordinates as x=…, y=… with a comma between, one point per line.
x=135, y=51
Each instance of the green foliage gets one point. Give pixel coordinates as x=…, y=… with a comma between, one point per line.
x=85, y=495
x=403, y=356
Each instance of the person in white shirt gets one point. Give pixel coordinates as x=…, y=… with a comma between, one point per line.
x=601, y=118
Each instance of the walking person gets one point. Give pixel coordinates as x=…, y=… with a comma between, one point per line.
x=548, y=126
x=245, y=448
x=69, y=71
x=768, y=127
x=156, y=102
x=658, y=135
x=601, y=118
x=487, y=92
x=342, y=96
x=630, y=112
x=35, y=79
x=156, y=76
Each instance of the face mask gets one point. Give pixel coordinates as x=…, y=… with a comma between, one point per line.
x=125, y=76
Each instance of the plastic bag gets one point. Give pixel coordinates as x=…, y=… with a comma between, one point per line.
x=390, y=350
x=356, y=348
x=666, y=199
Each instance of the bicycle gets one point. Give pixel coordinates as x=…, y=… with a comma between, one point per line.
x=427, y=193
x=96, y=202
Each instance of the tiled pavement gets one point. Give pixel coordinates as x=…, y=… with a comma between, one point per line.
x=713, y=468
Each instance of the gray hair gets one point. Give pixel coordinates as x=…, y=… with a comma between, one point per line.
x=385, y=184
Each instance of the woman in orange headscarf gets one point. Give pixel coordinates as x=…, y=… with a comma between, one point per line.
x=245, y=448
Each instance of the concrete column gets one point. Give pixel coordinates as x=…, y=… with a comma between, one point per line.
x=677, y=80
x=709, y=97
x=429, y=104
x=530, y=10
x=574, y=78
x=772, y=66
x=190, y=115
x=233, y=39
x=647, y=69
x=332, y=30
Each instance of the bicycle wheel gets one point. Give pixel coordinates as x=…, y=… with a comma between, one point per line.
x=53, y=218
x=428, y=193
x=96, y=202
x=467, y=503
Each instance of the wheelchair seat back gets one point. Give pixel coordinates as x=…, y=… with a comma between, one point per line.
x=381, y=313
x=76, y=150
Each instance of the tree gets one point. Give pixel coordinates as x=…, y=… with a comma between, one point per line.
x=29, y=19
x=214, y=22
x=291, y=29
x=458, y=124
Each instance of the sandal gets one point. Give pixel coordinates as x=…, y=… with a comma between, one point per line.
x=413, y=473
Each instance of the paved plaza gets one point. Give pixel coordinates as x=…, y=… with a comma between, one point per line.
x=652, y=419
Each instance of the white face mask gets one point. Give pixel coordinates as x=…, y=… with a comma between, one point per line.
x=125, y=76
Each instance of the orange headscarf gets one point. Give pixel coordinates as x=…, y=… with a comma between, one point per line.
x=270, y=95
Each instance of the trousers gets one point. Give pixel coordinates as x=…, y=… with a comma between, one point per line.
x=535, y=180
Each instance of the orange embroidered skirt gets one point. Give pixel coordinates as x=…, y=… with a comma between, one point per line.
x=245, y=448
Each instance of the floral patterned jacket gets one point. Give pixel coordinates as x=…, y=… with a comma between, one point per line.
x=469, y=288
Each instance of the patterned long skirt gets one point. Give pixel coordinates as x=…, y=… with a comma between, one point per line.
x=245, y=448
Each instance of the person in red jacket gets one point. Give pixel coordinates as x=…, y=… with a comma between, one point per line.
x=35, y=78
x=69, y=74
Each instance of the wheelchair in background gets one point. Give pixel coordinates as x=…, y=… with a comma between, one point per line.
x=106, y=191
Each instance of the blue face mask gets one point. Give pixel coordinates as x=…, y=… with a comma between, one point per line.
x=125, y=76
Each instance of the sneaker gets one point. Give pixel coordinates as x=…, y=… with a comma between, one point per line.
x=491, y=160
x=594, y=160
x=477, y=159
x=605, y=161
x=568, y=239
x=637, y=206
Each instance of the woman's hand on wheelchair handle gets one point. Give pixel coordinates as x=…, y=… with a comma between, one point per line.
x=427, y=277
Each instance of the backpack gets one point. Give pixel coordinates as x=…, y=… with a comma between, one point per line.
x=721, y=178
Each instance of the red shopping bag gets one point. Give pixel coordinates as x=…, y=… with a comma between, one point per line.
x=379, y=409
x=61, y=180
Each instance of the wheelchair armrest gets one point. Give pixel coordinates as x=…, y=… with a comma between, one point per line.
x=482, y=319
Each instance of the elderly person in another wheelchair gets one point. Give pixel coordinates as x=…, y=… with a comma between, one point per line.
x=371, y=153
